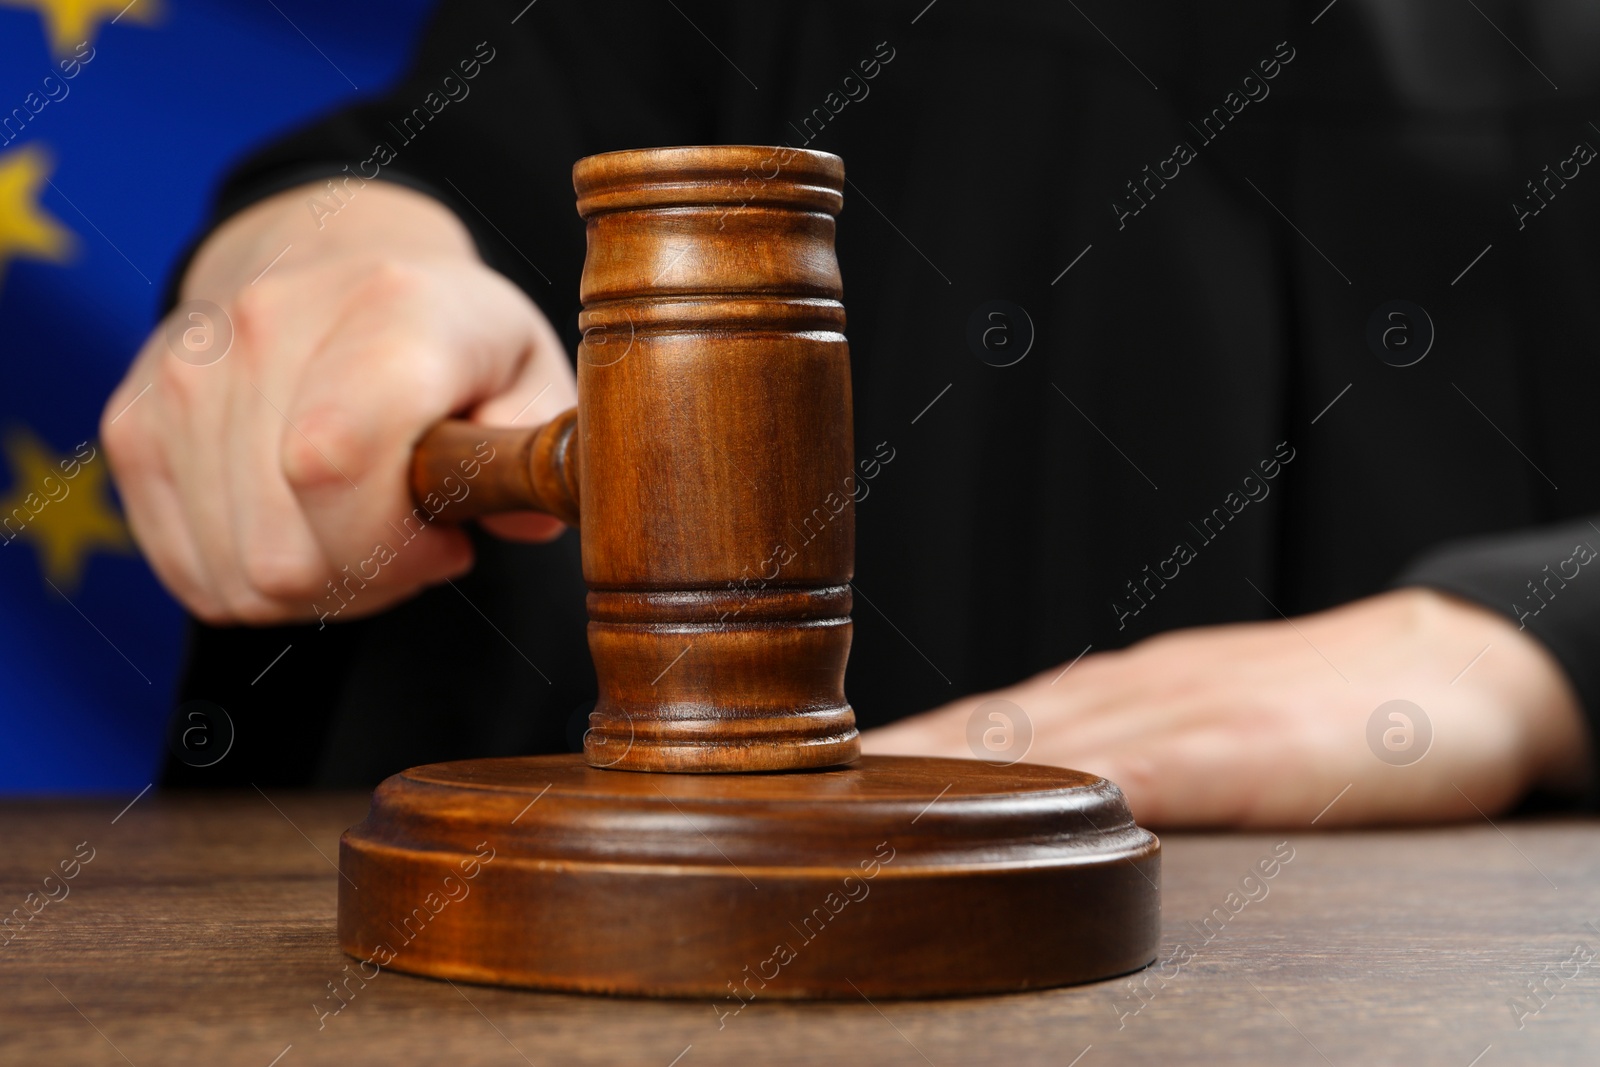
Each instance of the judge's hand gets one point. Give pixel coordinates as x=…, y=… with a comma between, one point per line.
x=1265, y=724
x=255, y=473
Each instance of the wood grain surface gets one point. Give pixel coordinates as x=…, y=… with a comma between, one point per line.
x=202, y=932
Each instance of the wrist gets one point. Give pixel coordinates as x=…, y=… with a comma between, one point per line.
x=1520, y=675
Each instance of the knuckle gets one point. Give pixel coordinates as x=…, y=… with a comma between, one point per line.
x=187, y=582
x=121, y=438
x=180, y=578
x=209, y=609
x=133, y=443
x=251, y=609
x=391, y=282
x=178, y=383
x=278, y=576
x=430, y=379
x=255, y=311
x=1137, y=777
x=322, y=449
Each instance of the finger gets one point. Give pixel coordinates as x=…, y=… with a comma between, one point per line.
x=278, y=557
x=182, y=420
x=1220, y=776
x=531, y=526
x=941, y=732
x=1173, y=782
x=150, y=500
x=540, y=389
x=543, y=389
x=280, y=323
x=444, y=341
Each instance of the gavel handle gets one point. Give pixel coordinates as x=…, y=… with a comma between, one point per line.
x=460, y=470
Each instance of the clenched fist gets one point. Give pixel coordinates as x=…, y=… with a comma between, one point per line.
x=254, y=480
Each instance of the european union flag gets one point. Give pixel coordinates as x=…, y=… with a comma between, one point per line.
x=117, y=121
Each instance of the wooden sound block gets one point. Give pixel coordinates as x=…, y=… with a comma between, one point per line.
x=890, y=877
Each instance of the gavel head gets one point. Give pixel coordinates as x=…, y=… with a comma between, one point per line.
x=714, y=460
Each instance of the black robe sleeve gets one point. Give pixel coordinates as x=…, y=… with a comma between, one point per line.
x=1543, y=580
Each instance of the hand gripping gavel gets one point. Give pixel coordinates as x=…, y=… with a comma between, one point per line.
x=708, y=463
x=709, y=466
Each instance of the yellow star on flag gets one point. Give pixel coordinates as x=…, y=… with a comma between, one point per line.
x=60, y=504
x=25, y=230
x=70, y=23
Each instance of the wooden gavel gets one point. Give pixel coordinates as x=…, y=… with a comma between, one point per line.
x=708, y=462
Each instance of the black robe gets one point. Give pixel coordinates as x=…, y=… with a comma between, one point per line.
x=1197, y=220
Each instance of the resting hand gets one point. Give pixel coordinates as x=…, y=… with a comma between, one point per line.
x=1265, y=724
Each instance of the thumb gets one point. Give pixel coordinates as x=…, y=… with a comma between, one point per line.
x=544, y=388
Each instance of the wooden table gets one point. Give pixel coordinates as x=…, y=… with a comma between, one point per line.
x=202, y=932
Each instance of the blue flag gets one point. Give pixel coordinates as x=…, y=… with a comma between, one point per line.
x=117, y=121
